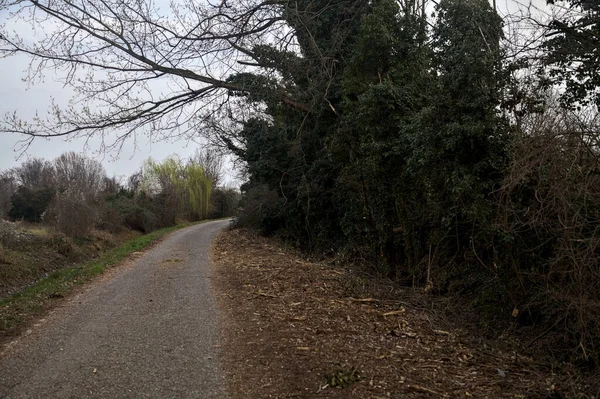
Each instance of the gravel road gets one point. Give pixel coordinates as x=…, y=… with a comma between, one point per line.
x=148, y=329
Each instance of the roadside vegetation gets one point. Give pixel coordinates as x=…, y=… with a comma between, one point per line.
x=435, y=144
x=441, y=160
x=299, y=328
x=17, y=310
x=63, y=221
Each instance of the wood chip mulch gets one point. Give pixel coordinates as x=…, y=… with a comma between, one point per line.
x=293, y=328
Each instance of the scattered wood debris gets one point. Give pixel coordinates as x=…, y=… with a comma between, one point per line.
x=298, y=329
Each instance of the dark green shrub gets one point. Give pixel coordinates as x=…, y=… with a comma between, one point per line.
x=30, y=204
x=132, y=215
x=224, y=202
x=259, y=209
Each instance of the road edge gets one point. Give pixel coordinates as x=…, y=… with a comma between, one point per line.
x=22, y=309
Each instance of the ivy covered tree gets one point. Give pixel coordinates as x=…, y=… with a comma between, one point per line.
x=407, y=145
x=462, y=150
x=385, y=84
x=572, y=50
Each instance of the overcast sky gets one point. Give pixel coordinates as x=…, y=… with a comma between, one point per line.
x=15, y=95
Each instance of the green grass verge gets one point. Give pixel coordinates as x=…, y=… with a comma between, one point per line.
x=17, y=310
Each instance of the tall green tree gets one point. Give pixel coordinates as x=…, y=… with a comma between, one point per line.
x=184, y=187
x=286, y=148
x=462, y=149
x=386, y=83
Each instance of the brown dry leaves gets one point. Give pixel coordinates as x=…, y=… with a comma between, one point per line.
x=289, y=323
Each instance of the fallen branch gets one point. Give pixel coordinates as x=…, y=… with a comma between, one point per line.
x=421, y=389
x=393, y=313
x=364, y=299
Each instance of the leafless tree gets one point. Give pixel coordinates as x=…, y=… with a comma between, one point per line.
x=212, y=162
x=140, y=66
x=79, y=174
x=34, y=173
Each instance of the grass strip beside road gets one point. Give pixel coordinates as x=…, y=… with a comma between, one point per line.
x=19, y=309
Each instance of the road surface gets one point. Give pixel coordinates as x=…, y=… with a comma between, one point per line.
x=147, y=330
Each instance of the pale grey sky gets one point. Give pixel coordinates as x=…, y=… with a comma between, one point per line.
x=15, y=95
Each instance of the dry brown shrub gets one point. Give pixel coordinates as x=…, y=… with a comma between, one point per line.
x=62, y=244
x=109, y=219
x=101, y=235
x=104, y=238
x=72, y=214
x=549, y=251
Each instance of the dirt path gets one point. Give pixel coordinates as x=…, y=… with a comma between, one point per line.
x=298, y=329
x=148, y=330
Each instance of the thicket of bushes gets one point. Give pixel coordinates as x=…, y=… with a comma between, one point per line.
x=430, y=163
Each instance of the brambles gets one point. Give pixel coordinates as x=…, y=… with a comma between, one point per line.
x=62, y=244
x=72, y=214
x=547, y=242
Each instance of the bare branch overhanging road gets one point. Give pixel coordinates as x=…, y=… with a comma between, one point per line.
x=148, y=330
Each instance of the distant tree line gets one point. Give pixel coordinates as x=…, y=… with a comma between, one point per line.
x=74, y=194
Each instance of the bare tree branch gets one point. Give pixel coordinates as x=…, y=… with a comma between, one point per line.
x=135, y=66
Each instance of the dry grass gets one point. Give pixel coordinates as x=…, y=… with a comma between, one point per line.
x=296, y=329
x=35, y=229
x=38, y=232
x=47, y=251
